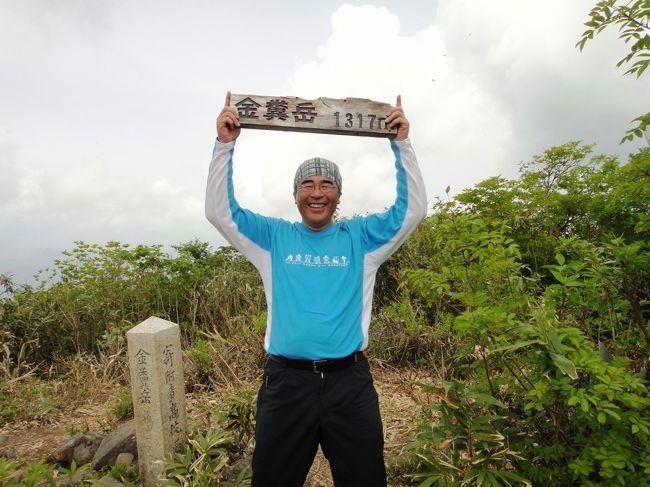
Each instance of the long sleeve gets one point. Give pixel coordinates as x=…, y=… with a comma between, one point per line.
x=217, y=207
x=248, y=232
x=385, y=232
x=318, y=285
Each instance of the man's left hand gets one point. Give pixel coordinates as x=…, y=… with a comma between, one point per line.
x=396, y=118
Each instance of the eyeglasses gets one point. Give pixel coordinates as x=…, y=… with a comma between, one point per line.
x=325, y=187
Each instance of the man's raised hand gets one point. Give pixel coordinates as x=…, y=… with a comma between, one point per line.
x=396, y=118
x=228, y=127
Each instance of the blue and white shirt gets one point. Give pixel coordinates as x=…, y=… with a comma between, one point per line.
x=318, y=285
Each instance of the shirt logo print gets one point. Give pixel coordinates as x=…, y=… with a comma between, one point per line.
x=317, y=260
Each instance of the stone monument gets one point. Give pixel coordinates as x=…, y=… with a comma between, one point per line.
x=158, y=389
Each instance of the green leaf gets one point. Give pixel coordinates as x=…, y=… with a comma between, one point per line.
x=613, y=414
x=514, y=346
x=573, y=283
x=564, y=364
x=558, y=276
x=429, y=482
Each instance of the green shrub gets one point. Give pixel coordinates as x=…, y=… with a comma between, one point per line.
x=239, y=417
x=124, y=407
x=528, y=354
x=203, y=461
x=94, y=293
x=469, y=444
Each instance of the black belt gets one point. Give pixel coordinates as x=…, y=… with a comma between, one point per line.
x=319, y=366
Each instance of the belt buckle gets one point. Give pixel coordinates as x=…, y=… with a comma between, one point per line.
x=315, y=366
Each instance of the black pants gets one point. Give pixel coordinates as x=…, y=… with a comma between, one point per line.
x=298, y=409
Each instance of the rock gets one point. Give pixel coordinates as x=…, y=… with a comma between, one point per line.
x=81, y=448
x=124, y=458
x=108, y=481
x=119, y=441
x=9, y=454
x=244, y=463
x=85, y=451
x=63, y=454
x=15, y=478
x=77, y=479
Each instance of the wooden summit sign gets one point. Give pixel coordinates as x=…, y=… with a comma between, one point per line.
x=348, y=116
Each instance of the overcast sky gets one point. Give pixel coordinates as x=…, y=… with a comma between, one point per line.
x=107, y=107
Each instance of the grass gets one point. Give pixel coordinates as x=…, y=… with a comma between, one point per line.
x=93, y=394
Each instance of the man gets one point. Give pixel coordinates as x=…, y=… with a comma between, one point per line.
x=318, y=278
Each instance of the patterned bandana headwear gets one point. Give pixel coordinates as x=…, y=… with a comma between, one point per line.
x=317, y=166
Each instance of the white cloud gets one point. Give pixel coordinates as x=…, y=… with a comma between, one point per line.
x=164, y=187
x=365, y=56
x=108, y=107
x=8, y=170
x=522, y=56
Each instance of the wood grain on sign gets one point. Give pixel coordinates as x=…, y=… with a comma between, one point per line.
x=347, y=116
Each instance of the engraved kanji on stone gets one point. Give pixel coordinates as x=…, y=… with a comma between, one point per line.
x=145, y=395
x=168, y=355
x=169, y=377
x=147, y=420
x=143, y=373
x=247, y=108
x=305, y=112
x=276, y=108
x=174, y=427
x=142, y=356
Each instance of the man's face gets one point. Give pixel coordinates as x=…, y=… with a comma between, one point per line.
x=317, y=199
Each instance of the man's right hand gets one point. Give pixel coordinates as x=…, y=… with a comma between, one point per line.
x=228, y=127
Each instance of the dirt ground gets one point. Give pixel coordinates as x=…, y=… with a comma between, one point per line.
x=33, y=440
x=400, y=401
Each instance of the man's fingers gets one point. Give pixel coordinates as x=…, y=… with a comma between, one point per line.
x=396, y=122
x=393, y=114
x=395, y=111
x=229, y=117
x=228, y=120
x=227, y=99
